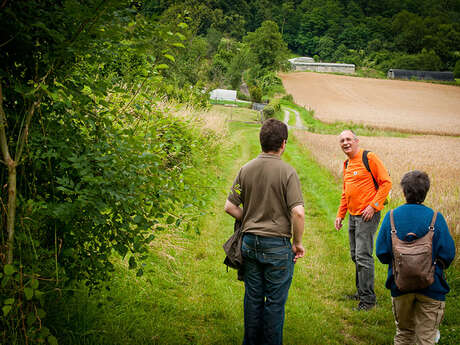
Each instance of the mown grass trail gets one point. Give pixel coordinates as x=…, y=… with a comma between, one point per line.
x=187, y=297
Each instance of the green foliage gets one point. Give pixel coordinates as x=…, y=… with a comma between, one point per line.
x=275, y=103
x=104, y=164
x=228, y=64
x=341, y=53
x=256, y=93
x=190, y=68
x=268, y=81
x=427, y=61
x=326, y=48
x=267, y=46
x=457, y=69
x=268, y=111
x=288, y=98
x=424, y=61
x=242, y=96
x=400, y=27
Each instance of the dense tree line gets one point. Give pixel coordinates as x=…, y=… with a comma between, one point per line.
x=374, y=33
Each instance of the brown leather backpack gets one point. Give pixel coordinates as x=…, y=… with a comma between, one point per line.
x=413, y=266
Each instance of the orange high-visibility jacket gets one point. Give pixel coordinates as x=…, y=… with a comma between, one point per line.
x=358, y=188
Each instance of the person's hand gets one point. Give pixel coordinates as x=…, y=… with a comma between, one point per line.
x=298, y=250
x=368, y=213
x=338, y=223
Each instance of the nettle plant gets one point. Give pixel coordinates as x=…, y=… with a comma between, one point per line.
x=91, y=164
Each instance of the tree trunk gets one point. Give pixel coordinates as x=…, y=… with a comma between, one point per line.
x=12, y=164
x=11, y=209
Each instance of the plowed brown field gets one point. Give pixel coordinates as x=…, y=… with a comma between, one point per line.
x=414, y=107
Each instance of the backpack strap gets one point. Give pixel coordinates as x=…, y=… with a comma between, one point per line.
x=433, y=220
x=393, y=228
x=366, y=164
x=392, y=221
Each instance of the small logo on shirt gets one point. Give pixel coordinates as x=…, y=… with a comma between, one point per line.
x=355, y=173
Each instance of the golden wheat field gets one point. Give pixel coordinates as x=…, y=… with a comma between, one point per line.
x=438, y=156
x=413, y=107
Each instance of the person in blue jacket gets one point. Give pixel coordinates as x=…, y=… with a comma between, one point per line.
x=417, y=313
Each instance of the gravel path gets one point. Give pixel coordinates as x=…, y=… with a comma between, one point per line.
x=298, y=120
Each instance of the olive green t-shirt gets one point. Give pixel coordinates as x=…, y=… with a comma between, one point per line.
x=268, y=188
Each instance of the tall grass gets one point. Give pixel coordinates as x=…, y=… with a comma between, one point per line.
x=236, y=103
x=219, y=113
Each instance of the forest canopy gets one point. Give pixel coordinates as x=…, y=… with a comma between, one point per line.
x=381, y=34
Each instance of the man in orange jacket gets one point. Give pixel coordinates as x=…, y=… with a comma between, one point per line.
x=363, y=196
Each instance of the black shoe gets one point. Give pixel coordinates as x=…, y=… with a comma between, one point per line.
x=364, y=306
x=354, y=297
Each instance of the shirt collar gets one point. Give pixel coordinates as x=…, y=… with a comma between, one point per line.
x=268, y=155
x=358, y=154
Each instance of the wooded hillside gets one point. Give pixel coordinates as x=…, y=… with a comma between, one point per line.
x=383, y=34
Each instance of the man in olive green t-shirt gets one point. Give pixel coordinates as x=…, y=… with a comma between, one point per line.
x=273, y=212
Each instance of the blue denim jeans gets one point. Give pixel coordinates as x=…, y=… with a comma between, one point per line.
x=361, y=236
x=268, y=264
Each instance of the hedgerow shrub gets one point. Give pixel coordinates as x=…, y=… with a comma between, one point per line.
x=268, y=111
x=96, y=164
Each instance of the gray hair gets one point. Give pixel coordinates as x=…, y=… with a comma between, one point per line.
x=352, y=132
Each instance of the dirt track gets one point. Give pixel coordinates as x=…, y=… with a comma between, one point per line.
x=390, y=104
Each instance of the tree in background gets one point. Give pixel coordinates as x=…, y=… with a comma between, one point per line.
x=457, y=69
x=326, y=47
x=405, y=26
x=267, y=46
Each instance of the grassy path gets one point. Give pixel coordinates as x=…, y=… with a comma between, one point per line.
x=187, y=297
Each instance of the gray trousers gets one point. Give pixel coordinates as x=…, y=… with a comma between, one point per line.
x=361, y=235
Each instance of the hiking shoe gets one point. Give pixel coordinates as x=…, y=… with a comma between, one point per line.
x=364, y=306
x=354, y=297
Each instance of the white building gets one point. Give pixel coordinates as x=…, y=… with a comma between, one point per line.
x=223, y=95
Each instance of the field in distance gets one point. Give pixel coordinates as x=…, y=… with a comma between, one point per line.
x=413, y=107
x=438, y=156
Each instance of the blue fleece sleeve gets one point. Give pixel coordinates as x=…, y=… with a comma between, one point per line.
x=444, y=246
x=383, y=246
